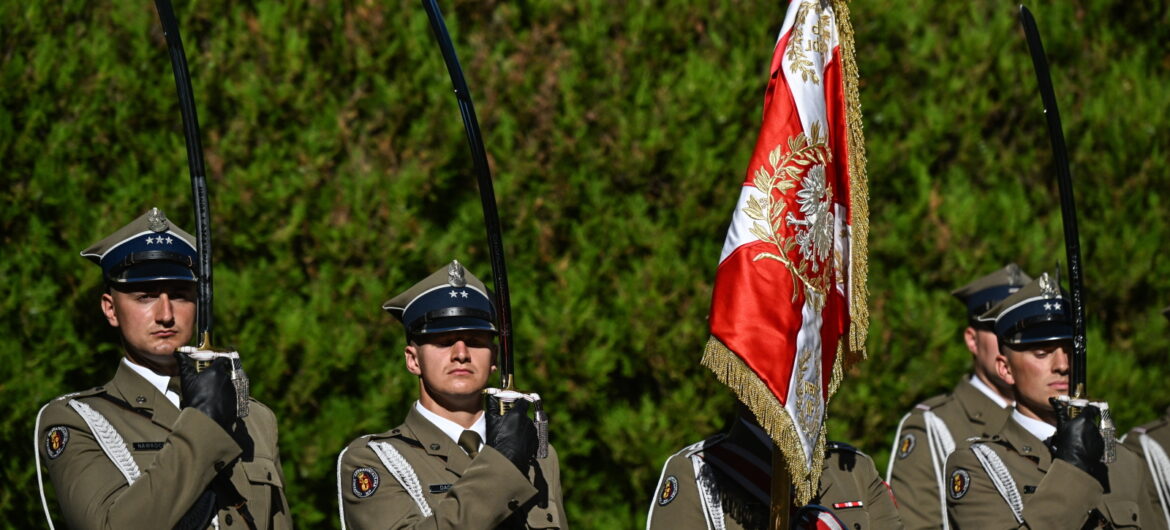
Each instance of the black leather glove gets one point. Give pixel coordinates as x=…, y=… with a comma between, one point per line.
x=512, y=434
x=210, y=391
x=1078, y=441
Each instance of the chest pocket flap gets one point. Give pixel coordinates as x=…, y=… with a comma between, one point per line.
x=262, y=471
x=1123, y=514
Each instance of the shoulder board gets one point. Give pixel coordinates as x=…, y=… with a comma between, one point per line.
x=933, y=402
x=698, y=447
x=841, y=446
x=397, y=433
x=95, y=391
x=1151, y=426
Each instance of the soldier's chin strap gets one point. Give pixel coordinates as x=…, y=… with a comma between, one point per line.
x=507, y=397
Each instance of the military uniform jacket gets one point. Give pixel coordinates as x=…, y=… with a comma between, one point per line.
x=177, y=455
x=738, y=477
x=1152, y=443
x=433, y=474
x=1038, y=491
x=918, y=459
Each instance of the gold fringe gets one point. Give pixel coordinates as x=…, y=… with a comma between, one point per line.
x=859, y=195
x=730, y=370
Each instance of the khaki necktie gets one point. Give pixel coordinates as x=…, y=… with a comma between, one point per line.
x=174, y=386
x=469, y=441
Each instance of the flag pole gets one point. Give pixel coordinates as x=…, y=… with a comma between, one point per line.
x=781, y=491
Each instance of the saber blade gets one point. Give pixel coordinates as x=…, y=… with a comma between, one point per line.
x=170, y=24
x=1068, y=212
x=487, y=194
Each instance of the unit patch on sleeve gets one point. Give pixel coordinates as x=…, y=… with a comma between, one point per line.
x=55, y=441
x=960, y=481
x=669, y=491
x=906, y=445
x=365, y=482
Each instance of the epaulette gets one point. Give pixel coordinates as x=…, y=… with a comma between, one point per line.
x=841, y=446
x=393, y=433
x=934, y=402
x=696, y=447
x=95, y=391
x=1153, y=425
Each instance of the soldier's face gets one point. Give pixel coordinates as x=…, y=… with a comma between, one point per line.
x=453, y=367
x=155, y=318
x=984, y=346
x=1037, y=373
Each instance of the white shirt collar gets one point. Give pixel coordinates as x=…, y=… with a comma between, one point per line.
x=989, y=392
x=1041, y=430
x=452, y=429
x=159, y=381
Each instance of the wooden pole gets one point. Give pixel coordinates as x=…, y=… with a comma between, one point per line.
x=781, y=491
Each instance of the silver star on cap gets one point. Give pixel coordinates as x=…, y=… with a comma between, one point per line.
x=453, y=294
x=170, y=240
x=463, y=293
x=156, y=220
x=455, y=274
x=150, y=241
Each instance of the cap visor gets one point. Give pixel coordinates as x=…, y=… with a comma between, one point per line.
x=1047, y=332
x=156, y=271
x=454, y=324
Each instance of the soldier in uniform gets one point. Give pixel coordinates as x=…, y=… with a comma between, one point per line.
x=160, y=445
x=450, y=464
x=1042, y=469
x=724, y=482
x=976, y=407
x=1151, y=441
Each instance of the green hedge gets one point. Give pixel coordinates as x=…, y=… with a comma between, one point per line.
x=619, y=134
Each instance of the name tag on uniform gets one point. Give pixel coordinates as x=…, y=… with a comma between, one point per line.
x=440, y=488
x=148, y=446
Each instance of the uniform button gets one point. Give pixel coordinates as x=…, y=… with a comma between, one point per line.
x=434, y=447
x=513, y=504
x=1027, y=449
x=228, y=519
x=548, y=516
x=140, y=399
x=269, y=475
x=218, y=466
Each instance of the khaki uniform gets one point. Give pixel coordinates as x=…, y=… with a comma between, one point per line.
x=177, y=453
x=459, y=491
x=737, y=471
x=1052, y=493
x=967, y=412
x=1155, y=436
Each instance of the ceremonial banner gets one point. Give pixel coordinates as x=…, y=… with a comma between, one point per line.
x=788, y=312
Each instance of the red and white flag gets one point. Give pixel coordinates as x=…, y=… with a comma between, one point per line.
x=788, y=312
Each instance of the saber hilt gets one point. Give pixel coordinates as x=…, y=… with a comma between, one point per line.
x=1108, y=429
x=506, y=397
x=203, y=359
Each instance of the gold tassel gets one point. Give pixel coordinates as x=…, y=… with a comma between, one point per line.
x=859, y=194
x=730, y=370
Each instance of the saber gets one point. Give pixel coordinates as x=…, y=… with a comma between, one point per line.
x=1068, y=212
x=487, y=195
x=204, y=353
x=198, y=174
